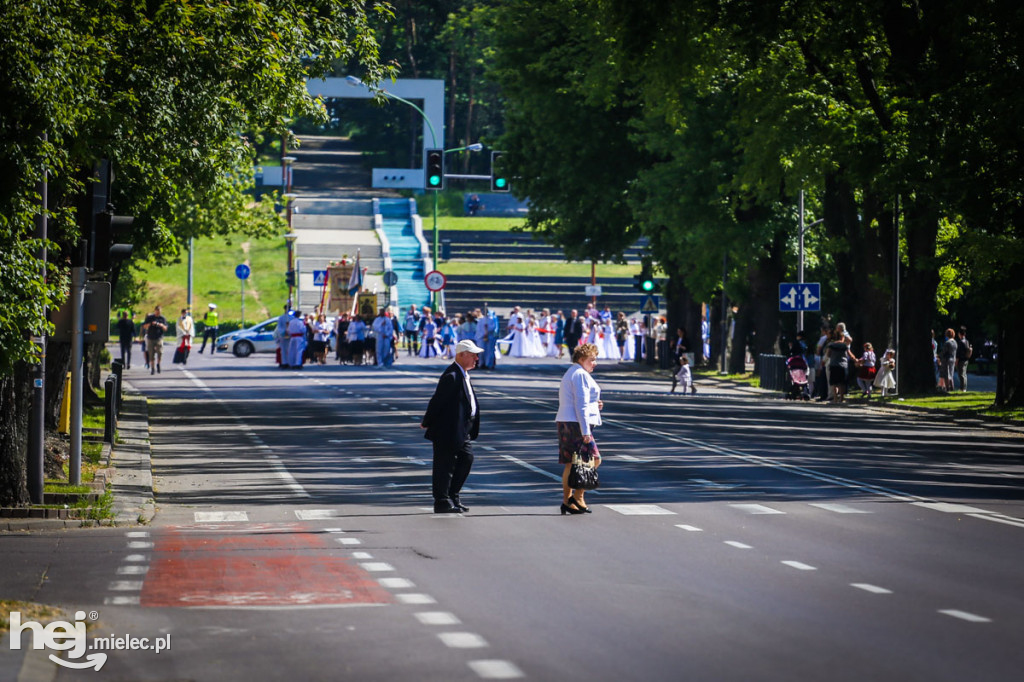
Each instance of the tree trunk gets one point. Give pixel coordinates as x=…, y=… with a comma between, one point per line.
x=1010, y=364
x=743, y=322
x=918, y=286
x=764, y=287
x=841, y=220
x=15, y=398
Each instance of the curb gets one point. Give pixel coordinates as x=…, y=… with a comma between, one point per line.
x=131, y=481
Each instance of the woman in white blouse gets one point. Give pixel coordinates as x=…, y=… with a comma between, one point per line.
x=579, y=410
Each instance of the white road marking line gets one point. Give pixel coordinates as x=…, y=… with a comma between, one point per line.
x=495, y=670
x=692, y=529
x=487, y=447
x=415, y=598
x=221, y=516
x=132, y=569
x=756, y=509
x=361, y=555
x=536, y=470
x=333, y=530
x=350, y=541
x=381, y=441
x=377, y=567
x=964, y=615
x=396, y=583
x=122, y=600
x=437, y=618
x=799, y=566
x=136, y=557
x=873, y=589
x=275, y=463
x=711, y=484
x=137, y=534
x=948, y=507
x=125, y=586
x=639, y=509
x=138, y=544
x=1000, y=518
x=462, y=640
x=314, y=514
x=838, y=508
x=737, y=545
x=629, y=458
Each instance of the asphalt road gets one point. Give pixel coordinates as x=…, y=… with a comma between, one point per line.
x=734, y=538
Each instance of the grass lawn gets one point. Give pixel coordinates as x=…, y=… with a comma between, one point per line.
x=214, y=280
x=535, y=268
x=473, y=224
x=975, y=403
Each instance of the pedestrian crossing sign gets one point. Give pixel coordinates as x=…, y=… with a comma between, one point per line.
x=319, y=278
x=649, y=305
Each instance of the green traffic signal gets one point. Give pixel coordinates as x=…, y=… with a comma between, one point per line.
x=435, y=180
x=647, y=285
x=500, y=183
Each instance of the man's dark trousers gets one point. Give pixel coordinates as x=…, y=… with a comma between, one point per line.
x=126, y=353
x=451, y=469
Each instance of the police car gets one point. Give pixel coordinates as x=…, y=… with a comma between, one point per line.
x=256, y=339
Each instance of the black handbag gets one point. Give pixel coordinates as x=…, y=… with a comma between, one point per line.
x=583, y=473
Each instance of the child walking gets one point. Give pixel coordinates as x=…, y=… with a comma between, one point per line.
x=682, y=377
x=866, y=370
x=885, y=379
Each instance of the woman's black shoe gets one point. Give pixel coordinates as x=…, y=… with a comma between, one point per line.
x=574, y=503
x=566, y=509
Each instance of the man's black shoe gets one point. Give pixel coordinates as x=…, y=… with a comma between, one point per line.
x=458, y=505
x=445, y=508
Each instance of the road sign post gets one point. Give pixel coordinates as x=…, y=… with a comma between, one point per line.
x=435, y=281
x=242, y=273
x=799, y=296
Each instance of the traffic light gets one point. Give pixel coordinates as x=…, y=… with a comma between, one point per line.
x=433, y=176
x=289, y=278
x=645, y=281
x=109, y=240
x=499, y=180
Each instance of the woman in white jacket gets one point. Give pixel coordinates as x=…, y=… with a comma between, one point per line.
x=579, y=410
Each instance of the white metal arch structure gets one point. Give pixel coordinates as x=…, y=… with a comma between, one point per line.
x=429, y=90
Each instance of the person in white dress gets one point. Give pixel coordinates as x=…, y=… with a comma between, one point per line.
x=609, y=347
x=534, y=346
x=517, y=332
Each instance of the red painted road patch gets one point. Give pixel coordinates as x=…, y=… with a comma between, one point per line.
x=270, y=566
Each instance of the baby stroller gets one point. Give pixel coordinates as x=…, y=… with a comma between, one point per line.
x=796, y=378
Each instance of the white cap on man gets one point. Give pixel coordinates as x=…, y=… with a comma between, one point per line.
x=467, y=346
x=213, y=306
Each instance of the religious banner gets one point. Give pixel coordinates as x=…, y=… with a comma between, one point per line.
x=338, y=275
x=368, y=305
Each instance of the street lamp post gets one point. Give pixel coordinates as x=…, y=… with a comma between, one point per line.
x=289, y=239
x=800, y=271
x=355, y=82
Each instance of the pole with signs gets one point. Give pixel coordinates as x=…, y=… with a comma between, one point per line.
x=242, y=272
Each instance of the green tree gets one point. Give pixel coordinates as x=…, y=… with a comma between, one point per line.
x=163, y=90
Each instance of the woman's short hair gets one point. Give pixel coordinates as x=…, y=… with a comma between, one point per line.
x=584, y=350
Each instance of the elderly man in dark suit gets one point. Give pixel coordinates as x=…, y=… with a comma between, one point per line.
x=452, y=422
x=573, y=331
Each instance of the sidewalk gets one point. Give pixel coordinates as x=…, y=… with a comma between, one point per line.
x=131, y=482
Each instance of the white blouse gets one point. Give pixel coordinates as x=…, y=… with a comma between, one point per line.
x=578, y=395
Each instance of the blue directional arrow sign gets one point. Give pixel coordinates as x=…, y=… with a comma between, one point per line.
x=319, y=278
x=242, y=271
x=794, y=297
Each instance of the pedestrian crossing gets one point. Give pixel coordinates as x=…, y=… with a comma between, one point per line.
x=754, y=509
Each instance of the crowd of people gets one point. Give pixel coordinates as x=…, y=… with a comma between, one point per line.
x=834, y=371
x=425, y=333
